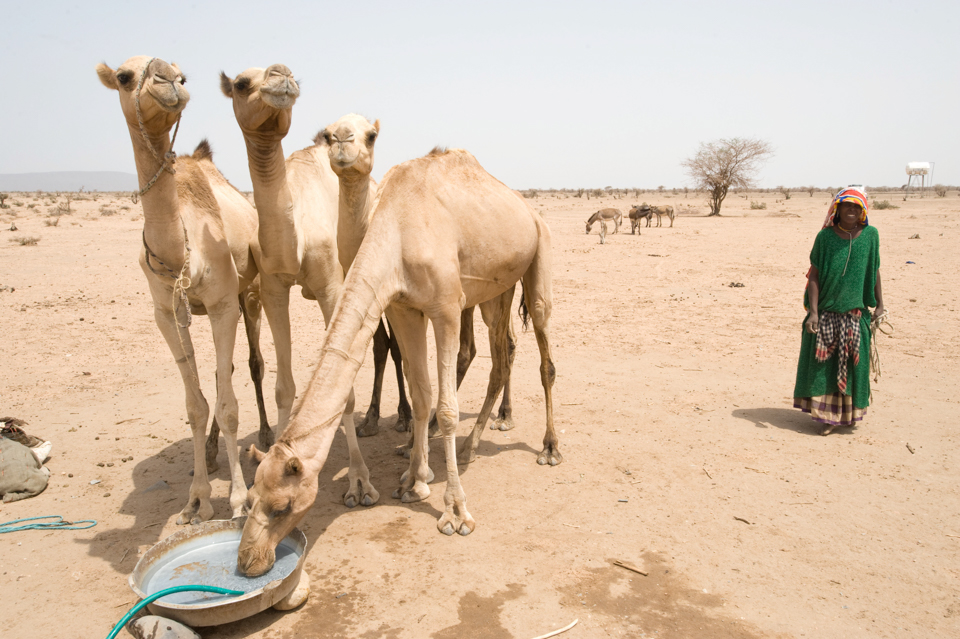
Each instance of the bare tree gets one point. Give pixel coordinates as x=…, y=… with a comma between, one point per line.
x=718, y=166
x=785, y=190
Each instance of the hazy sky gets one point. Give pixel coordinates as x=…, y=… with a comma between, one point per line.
x=545, y=94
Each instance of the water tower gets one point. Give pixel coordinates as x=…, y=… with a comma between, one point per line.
x=917, y=173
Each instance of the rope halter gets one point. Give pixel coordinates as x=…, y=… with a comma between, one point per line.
x=167, y=162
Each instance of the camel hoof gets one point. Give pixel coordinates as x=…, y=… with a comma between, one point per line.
x=370, y=425
x=465, y=529
x=502, y=423
x=418, y=492
x=404, y=422
x=550, y=457
x=368, y=500
x=350, y=501
x=403, y=451
x=297, y=597
x=396, y=494
x=447, y=529
x=466, y=457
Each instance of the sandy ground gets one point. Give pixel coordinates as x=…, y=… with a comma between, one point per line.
x=682, y=452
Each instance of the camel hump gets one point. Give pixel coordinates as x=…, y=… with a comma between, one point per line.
x=203, y=151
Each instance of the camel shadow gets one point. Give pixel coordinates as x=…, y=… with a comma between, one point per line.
x=784, y=418
x=161, y=485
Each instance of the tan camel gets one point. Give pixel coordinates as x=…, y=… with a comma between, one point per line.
x=350, y=143
x=613, y=215
x=297, y=203
x=199, y=256
x=444, y=235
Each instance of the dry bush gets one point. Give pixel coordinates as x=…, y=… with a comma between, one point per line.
x=883, y=205
x=754, y=205
x=106, y=211
x=52, y=222
x=940, y=190
x=529, y=193
x=26, y=240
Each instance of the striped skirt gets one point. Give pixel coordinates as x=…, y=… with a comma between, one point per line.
x=835, y=409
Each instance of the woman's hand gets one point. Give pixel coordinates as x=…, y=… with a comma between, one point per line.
x=812, y=324
x=878, y=312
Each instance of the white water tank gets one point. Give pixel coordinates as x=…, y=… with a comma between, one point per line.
x=918, y=168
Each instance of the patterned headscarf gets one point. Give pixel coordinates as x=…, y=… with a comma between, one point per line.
x=849, y=194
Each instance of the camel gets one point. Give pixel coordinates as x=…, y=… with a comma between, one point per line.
x=350, y=142
x=613, y=215
x=444, y=235
x=199, y=256
x=297, y=202
x=638, y=213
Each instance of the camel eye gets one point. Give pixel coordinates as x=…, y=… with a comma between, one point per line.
x=371, y=137
x=277, y=512
x=183, y=79
x=242, y=84
x=123, y=77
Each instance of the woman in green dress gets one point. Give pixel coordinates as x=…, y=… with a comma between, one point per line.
x=833, y=374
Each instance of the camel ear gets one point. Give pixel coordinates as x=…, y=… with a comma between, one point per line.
x=255, y=454
x=376, y=125
x=293, y=466
x=226, y=85
x=321, y=138
x=107, y=77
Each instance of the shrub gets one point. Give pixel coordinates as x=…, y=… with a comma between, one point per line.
x=52, y=222
x=107, y=211
x=757, y=205
x=941, y=190
x=882, y=205
x=26, y=240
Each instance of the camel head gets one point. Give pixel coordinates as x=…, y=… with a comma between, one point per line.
x=162, y=95
x=349, y=143
x=283, y=491
x=263, y=99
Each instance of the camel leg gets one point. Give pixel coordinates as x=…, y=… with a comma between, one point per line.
x=198, y=506
x=538, y=296
x=361, y=491
x=496, y=315
x=250, y=309
x=446, y=327
x=404, y=416
x=505, y=414
x=275, y=297
x=465, y=356
x=223, y=319
x=370, y=424
x=410, y=329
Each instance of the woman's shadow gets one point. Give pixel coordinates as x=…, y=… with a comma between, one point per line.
x=786, y=418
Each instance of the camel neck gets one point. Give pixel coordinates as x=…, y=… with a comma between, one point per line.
x=371, y=285
x=278, y=232
x=162, y=224
x=354, y=216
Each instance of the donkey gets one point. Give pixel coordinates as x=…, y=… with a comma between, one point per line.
x=606, y=214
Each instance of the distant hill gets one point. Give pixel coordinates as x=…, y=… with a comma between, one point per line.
x=69, y=181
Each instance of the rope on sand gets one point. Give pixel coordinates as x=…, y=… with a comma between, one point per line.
x=557, y=632
x=58, y=524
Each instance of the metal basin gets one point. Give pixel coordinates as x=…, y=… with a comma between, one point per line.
x=207, y=555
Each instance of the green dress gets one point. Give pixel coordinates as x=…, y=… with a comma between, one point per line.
x=841, y=293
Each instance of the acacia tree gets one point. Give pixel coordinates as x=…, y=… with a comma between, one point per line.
x=724, y=164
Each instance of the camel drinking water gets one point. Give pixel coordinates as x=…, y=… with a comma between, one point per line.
x=613, y=215
x=424, y=258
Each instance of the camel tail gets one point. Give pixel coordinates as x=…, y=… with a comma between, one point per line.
x=523, y=311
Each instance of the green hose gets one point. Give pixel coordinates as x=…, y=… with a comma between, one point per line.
x=164, y=593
